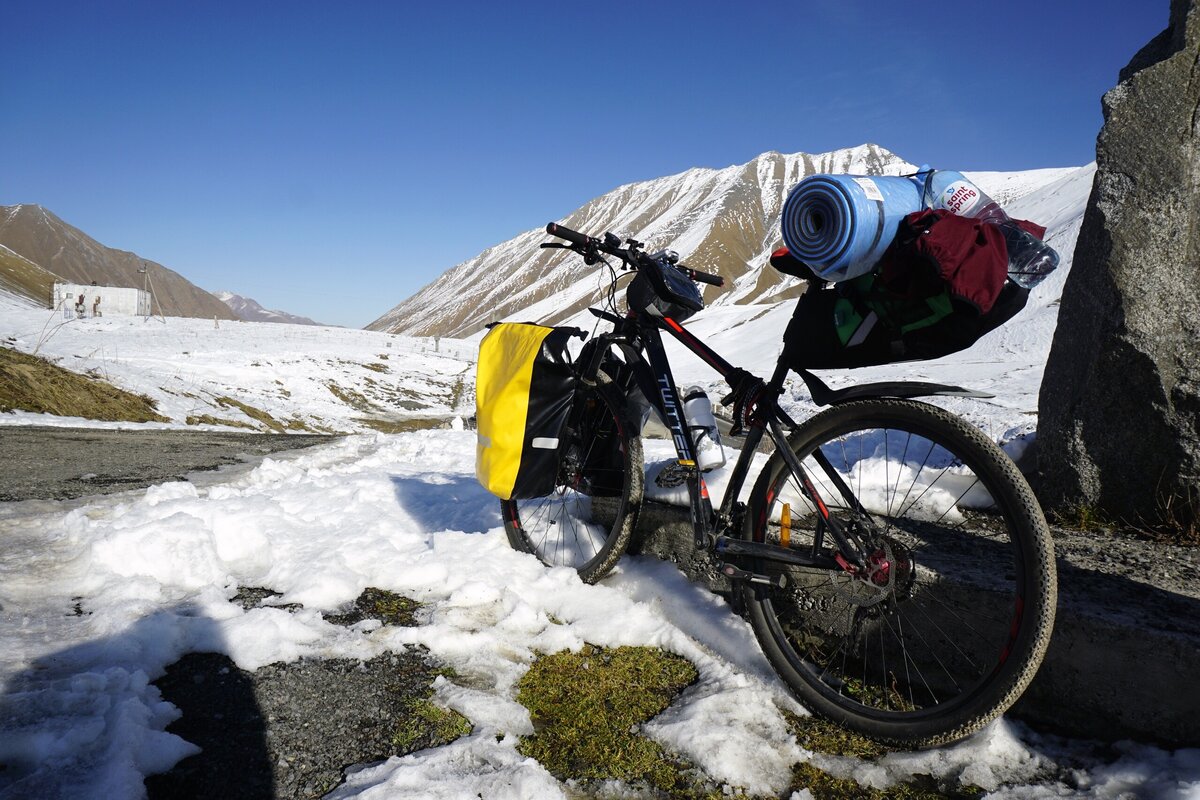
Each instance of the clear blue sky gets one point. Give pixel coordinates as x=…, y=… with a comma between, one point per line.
x=331, y=158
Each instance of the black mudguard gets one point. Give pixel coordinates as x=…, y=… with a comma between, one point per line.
x=822, y=395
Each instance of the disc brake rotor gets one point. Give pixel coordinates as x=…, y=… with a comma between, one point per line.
x=889, y=574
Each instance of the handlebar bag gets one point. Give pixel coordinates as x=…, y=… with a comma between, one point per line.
x=523, y=390
x=663, y=291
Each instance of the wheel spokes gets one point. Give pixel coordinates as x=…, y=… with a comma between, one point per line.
x=904, y=647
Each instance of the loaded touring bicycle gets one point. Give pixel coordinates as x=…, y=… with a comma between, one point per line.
x=891, y=559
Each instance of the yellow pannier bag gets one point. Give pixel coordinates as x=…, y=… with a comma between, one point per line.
x=523, y=390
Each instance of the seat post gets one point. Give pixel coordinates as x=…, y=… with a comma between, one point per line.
x=778, y=377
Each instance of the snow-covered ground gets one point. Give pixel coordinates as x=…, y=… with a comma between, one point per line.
x=152, y=572
x=328, y=379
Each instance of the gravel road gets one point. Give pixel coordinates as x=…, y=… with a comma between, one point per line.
x=40, y=463
x=285, y=731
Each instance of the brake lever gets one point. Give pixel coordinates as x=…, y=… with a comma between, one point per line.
x=590, y=256
x=591, y=253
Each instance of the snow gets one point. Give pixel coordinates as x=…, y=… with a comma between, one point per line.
x=154, y=571
x=295, y=373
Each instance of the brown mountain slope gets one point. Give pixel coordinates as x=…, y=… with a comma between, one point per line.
x=39, y=236
x=719, y=220
x=22, y=277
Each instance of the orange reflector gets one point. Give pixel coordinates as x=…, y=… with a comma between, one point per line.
x=785, y=524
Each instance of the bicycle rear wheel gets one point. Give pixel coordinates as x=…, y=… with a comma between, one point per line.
x=587, y=520
x=949, y=619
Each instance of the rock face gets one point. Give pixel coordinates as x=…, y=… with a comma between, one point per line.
x=1119, y=411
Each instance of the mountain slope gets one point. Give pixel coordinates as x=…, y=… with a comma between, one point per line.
x=248, y=309
x=724, y=221
x=720, y=220
x=24, y=279
x=47, y=241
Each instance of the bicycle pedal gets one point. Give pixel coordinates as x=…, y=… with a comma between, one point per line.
x=738, y=574
x=672, y=475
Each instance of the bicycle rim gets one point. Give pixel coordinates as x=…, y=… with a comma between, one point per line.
x=948, y=619
x=586, y=522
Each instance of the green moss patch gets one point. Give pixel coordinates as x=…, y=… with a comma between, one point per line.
x=29, y=383
x=823, y=736
x=922, y=787
x=586, y=708
x=424, y=724
x=388, y=607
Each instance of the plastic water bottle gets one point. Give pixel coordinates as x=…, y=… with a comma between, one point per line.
x=1030, y=259
x=697, y=410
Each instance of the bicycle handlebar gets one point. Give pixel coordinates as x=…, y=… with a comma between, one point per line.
x=701, y=277
x=574, y=237
x=629, y=256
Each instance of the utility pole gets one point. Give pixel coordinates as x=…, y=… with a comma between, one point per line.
x=148, y=286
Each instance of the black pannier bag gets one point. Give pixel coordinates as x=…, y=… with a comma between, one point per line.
x=602, y=462
x=523, y=390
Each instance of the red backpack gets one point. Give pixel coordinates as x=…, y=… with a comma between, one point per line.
x=938, y=250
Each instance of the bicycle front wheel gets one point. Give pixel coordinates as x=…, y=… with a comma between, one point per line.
x=587, y=520
x=946, y=622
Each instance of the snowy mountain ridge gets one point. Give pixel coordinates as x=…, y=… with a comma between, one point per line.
x=250, y=310
x=719, y=220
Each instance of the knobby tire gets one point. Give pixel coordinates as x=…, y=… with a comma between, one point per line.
x=949, y=623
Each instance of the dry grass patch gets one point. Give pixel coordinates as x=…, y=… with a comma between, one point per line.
x=351, y=398
x=29, y=383
x=402, y=425
x=208, y=419
x=23, y=277
x=252, y=412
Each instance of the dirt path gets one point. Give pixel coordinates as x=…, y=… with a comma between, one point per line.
x=40, y=463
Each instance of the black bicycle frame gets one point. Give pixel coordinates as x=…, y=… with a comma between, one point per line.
x=640, y=333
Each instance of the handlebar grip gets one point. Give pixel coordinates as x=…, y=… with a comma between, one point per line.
x=574, y=237
x=702, y=277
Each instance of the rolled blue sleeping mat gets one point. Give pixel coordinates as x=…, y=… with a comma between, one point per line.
x=839, y=225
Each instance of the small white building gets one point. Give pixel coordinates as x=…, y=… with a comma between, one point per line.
x=78, y=299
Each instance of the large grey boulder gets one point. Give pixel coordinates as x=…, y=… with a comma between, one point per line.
x=1119, y=411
